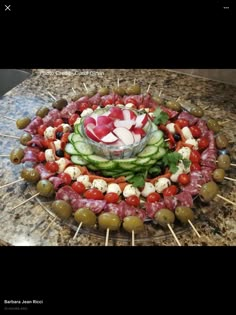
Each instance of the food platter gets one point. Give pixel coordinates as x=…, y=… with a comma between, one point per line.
x=152, y=230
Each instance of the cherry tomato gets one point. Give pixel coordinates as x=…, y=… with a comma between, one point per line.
x=45, y=143
x=131, y=100
x=195, y=156
x=52, y=166
x=170, y=191
x=41, y=156
x=195, y=167
x=111, y=197
x=65, y=177
x=94, y=193
x=94, y=107
x=133, y=201
x=153, y=197
x=67, y=156
x=184, y=179
x=119, y=102
x=83, y=106
x=59, y=129
x=107, y=102
x=203, y=143
x=141, y=106
x=41, y=129
x=64, y=140
x=196, y=131
x=182, y=123
x=73, y=118
x=78, y=187
x=58, y=122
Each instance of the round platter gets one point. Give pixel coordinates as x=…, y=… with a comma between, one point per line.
x=32, y=221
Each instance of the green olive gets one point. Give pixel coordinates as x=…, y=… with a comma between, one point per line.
x=221, y=141
x=183, y=214
x=208, y=191
x=173, y=105
x=133, y=89
x=196, y=111
x=86, y=216
x=30, y=175
x=76, y=97
x=26, y=137
x=223, y=161
x=218, y=175
x=133, y=223
x=91, y=91
x=16, y=155
x=23, y=122
x=159, y=100
x=45, y=188
x=62, y=209
x=42, y=111
x=165, y=217
x=119, y=90
x=213, y=125
x=60, y=104
x=108, y=220
x=103, y=91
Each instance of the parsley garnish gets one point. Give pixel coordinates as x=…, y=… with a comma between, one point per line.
x=171, y=160
x=186, y=163
x=138, y=180
x=160, y=117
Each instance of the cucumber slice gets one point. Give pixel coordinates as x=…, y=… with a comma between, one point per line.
x=95, y=159
x=76, y=138
x=131, y=160
x=78, y=129
x=156, y=136
x=83, y=148
x=151, y=162
x=110, y=165
x=127, y=166
x=142, y=161
x=92, y=167
x=78, y=160
x=148, y=151
x=70, y=137
x=70, y=149
x=154, y=127
x=160, y=143
x=161, y=152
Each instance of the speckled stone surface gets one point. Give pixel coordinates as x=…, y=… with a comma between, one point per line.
x=216, y=222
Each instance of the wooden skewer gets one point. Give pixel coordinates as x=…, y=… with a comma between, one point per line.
x=53, y=97
x=177, y=99
x=174, y=235
x=229, y=178
x=9, y=118
x=16, y=181
x=107, y=237
x=77, y=231
x=73, y=90
x=206, y=107
x=4, y=155
x=231, y=141
x=20, y=204
x=193, y=227
x=118, y=82
x=49, y=225
x=224, y=122
x=167, y=139
x=133, y=238
x=148, y=88
x=9, y=136
x=160, y=92
x=226, y=199
x=85, y=87
x=233, y=164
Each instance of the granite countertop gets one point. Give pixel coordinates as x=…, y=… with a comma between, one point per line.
x=217, y=221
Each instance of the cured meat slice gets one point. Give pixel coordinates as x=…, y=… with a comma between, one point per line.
x=30, y=155
x=171, y=202
x=115, y=208
x=190, y=118
x=153, y=207
x=37, y=140
x=135, y=99
x=171, y=113
x=184, y=199
x=51, y=117
x=44, y=173
x=69, y=110
x=32, y=128
x=68, y=194
x=56, y=181
x=95, y=100
x=202, y=125
x=96, y=206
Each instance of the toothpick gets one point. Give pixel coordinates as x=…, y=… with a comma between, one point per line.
x=9, y=118
x=173, y=233
x=4, y=155
x=49, y=225
x=205, y=108
x=53, y=97
x=20, y=204
x=224, y=122
x=148, y=88
x=167, y=139
x=9, y=136
x=226, y=199
x=233, y=164
x=16, y=181
x=160, y=92
x=107, y=236
x=118, y=82
x=229, y=178
x=133, y=238
x=77, y=231
x=73, y=90
x=85, y=87
x=178, y=99
x=193, y=227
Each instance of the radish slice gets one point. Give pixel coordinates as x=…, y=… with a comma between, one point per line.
x=89, y=120
x=109, y=138
x=128, y=124
x=124, y=135
x=141, y=120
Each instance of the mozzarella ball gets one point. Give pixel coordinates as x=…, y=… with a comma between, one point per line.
x=115, y=188
x=148, y=189
x=174, y=177
x=62, y=162
x=49, y=133
x=161, y=184
x=84, y=179
x=185, y=152
x=100, y=184
x=66, y=127
x=130, y=190
x=73, y=171
x=57, y=144
x=49, y=155
x=193, y=142
x=187, y=133
x=171, y=128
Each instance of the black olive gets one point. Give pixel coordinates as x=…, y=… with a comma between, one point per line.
x=59, y=134
x=177, y=137
x=60, y=152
